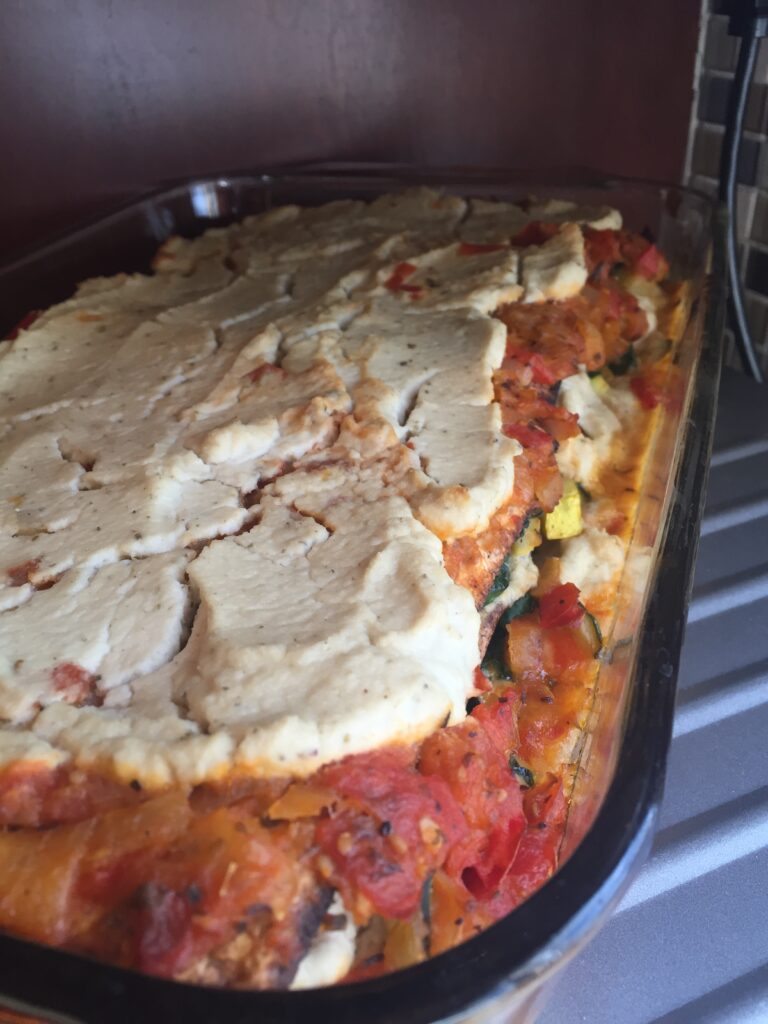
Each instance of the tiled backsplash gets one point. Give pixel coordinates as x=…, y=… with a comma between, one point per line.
x=717, y=65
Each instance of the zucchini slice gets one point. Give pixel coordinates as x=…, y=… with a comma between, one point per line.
x=590, y=628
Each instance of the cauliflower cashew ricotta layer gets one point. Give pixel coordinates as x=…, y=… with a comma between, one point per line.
x=225, y=488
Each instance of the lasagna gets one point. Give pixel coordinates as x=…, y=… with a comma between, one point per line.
x=310, y=547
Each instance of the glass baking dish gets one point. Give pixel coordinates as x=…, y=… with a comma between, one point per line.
x=500, y=974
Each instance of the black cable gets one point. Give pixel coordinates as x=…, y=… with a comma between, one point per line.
x=750, y=30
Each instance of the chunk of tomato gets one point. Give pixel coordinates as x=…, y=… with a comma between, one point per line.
x=560, y=606
x=75, y=684
x=396, y=824
x=536, y=232
x=536, y=855
x=397, y=280
x=565, y=650
x=601, y=248
x=646, y=391
x=529, y=436
x=192, y=896
x=473, y=758
x=498, y=717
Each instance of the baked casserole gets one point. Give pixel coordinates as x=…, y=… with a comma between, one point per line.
x=310, y=547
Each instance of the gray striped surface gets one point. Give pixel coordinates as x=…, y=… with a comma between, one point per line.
x=689, y=942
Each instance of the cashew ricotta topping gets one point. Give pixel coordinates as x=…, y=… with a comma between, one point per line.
x=225, y=488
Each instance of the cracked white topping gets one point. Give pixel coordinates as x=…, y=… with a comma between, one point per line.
x=275, y=418
x=106, y=607
x=138, y=295
x=429, y=376
x=582, y=458
x=490, y=222
x=137, y=421
x=344, y=667
x=448, y=278
x=557, y=269
x=562, y=211
x=596, y=418
x=468, y=460
x=130, y=519
x=44, y=365
x=33, y=474
x=592, y=559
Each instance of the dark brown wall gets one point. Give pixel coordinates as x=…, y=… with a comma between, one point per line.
x=103, y=97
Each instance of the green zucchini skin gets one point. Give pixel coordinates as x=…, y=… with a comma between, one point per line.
x=500, y=583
